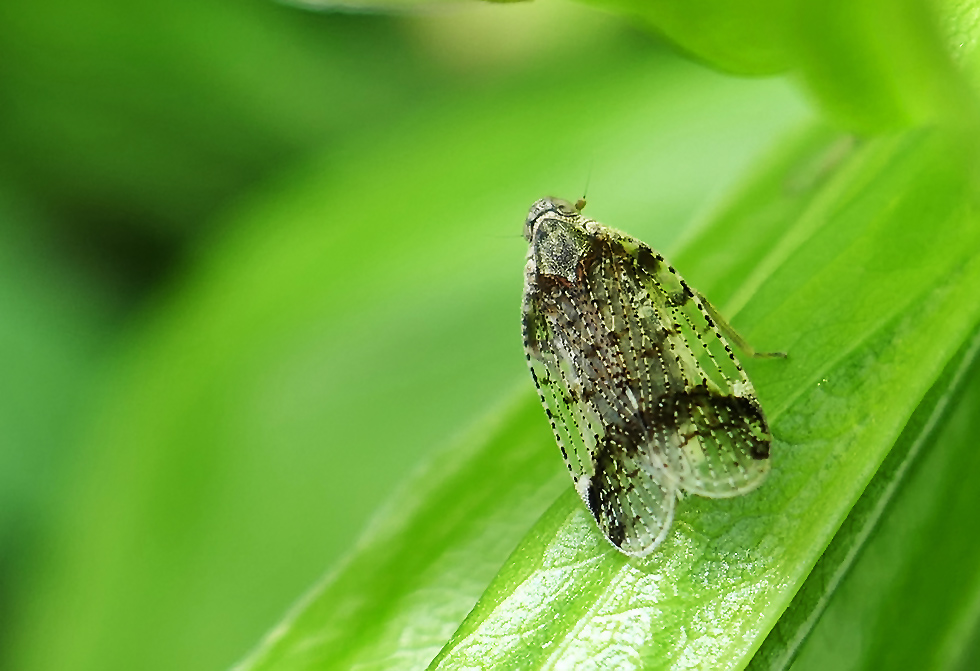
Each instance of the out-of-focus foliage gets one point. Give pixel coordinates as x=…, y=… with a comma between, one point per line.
x=873, y=65
x=135, y=119
x=186, y=462
x=52, y=321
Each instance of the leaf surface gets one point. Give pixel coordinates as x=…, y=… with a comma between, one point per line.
x=870, y=304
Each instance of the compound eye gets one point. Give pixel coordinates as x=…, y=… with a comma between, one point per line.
x=539, y=208
x=528, y=229
x=564, y=207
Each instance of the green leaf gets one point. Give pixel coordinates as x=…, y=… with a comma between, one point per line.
x=881, y=64
x=850, y=590
x=911, y=598
x=747, y=37
x=870, y=302
x=416, y=572
x=884, y=302
x=873, y=65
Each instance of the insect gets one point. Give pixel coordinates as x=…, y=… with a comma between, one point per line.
x=643, y=391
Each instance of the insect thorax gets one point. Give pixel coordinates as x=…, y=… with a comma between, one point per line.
x=558, y=244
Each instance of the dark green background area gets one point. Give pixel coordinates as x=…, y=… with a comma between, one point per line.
x=258, y=263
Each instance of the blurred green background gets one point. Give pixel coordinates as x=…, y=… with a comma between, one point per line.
x=257, y=261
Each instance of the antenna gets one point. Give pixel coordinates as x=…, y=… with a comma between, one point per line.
x=580, y=203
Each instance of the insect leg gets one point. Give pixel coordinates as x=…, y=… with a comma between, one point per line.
x=733, y=335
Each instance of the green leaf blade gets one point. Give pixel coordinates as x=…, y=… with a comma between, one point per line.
x=725, y=574
x=405, y=559
x=910, y=599
x=874, y=65
x=924, y=434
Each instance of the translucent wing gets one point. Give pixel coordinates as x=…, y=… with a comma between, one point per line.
x=601, y=440
x=707, y=431
x=644, y=395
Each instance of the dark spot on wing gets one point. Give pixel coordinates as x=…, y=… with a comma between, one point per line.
x=733, y=414
x=649, y=261
x=681, y=297
x=619, y=445
x=604, y=510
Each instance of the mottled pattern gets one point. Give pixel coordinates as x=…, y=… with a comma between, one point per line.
x=644, y=394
